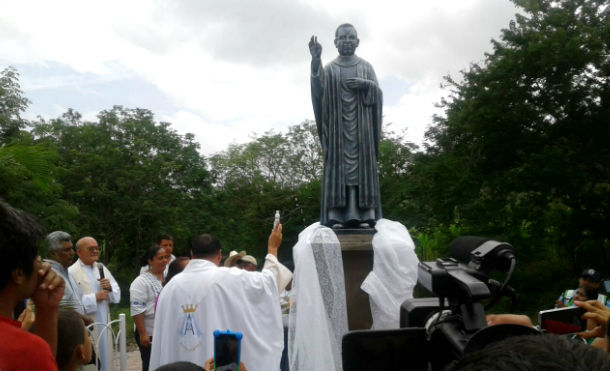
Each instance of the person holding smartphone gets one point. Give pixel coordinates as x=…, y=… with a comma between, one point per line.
x=599, y=314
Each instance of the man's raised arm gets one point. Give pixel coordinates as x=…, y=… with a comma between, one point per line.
x=283, y=276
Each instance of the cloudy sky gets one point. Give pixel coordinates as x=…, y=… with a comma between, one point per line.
x=224, y=69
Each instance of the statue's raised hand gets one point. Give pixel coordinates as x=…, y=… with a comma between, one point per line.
x=315, y=49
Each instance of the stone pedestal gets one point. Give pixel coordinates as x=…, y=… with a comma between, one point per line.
x=357, y=253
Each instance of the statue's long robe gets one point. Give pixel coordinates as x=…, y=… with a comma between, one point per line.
x=326, y=91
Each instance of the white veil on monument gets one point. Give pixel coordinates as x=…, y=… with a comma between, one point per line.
x=394, y=273
x=318, y=311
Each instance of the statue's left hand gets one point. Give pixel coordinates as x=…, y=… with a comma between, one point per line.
x=357, y=83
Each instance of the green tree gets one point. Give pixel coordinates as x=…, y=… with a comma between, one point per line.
x=273, y=171
x=12, y=105
x=27, y=167
x=522, y=152
x=131, y=178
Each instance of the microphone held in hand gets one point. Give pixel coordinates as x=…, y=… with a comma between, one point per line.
x=100, y=267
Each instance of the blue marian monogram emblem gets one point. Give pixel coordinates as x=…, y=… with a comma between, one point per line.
x=190, y=335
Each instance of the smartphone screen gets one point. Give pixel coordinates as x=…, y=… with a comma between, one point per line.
x=226, y=351
x=562, y=321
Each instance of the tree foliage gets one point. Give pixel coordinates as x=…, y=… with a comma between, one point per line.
x=130, y=177
x=522, y=150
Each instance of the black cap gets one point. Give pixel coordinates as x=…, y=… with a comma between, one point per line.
x=592, y=274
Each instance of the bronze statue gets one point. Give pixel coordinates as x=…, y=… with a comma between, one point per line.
x=347, y=104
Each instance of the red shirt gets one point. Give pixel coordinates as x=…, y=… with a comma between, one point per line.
x=20, y=350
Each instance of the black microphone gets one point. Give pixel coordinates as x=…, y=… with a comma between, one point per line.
x=482, y=253
x=100, y=268
x=461, y=247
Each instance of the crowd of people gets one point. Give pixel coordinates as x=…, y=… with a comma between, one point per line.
x=70, y=295
x=178, y=302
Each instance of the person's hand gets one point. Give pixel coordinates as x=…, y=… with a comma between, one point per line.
x=86, y=319
x=357, y=83
x=559, y=304
x=514, y=319
x=105, y=284
x=598, y=313
x=27, y=317
x=51, y=287
x=101, y=295
x=275, y=239
x=315, y=49
x=144, y=340
x=209, y=364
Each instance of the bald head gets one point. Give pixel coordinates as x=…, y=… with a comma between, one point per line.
x=346, y=40
x=87, y=250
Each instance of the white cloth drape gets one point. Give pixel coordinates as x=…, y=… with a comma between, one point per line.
x=318, y=313
x=394, y=273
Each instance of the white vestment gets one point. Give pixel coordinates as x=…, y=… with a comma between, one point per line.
x=394, y=273
x=204, y=298
x=86, y=278
x=318, y=312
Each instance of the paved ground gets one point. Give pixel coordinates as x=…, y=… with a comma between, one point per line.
x=134, y=363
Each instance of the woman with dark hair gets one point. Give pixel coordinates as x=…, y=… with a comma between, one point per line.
x=176, y=267
x=143, y=294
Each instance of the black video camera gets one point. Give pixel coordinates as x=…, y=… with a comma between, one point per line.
x=435, y=331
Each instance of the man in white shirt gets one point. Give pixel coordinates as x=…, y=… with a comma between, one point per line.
x=97, y=293
x=205, y=297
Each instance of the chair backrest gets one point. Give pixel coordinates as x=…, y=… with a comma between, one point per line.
x=396, y=349
x=116, y=330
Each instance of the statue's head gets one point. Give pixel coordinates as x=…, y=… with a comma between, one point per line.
x=346, y=39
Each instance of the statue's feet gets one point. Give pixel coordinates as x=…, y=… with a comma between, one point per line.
x=333, y=223
x=352, y=223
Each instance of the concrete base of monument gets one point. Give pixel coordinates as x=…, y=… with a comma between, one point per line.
x=357, y=254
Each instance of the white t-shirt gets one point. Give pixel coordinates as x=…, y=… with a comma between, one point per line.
x=143, y=293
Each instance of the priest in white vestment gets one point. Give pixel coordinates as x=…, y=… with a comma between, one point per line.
x=97, y=293
x=205, y=297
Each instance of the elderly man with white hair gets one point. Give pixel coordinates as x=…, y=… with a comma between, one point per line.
x=98, y=290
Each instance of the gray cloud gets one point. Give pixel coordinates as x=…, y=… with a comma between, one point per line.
x=258, y=33
x=440, y=42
